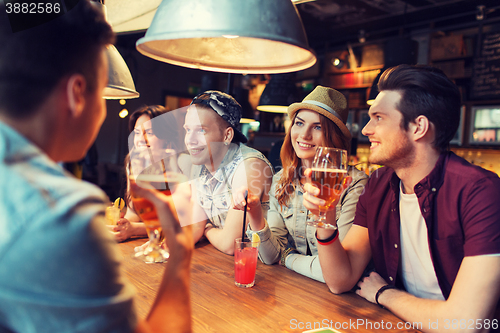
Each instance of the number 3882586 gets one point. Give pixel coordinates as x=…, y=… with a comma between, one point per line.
x=33, y=8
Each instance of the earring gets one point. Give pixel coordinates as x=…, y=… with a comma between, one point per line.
x=226, y=143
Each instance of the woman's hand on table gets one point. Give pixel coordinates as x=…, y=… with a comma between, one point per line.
x=123, y=230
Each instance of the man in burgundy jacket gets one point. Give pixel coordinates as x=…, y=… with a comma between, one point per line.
x=429, y=220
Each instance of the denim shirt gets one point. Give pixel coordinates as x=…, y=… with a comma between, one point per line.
x=286, y=227
x=214, y=192
x=59, y=265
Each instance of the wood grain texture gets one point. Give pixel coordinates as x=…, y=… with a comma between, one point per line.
x=280, y=301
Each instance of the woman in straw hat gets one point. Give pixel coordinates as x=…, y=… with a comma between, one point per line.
x=319, y=120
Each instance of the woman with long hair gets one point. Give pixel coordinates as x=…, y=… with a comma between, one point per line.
x=319, y=120
x=162, y=133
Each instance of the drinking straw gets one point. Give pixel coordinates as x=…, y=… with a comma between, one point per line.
x=244, y=218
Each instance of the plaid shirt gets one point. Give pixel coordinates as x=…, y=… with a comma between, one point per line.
x=214, y=192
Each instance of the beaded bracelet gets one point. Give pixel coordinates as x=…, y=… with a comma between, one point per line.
x=329, y=240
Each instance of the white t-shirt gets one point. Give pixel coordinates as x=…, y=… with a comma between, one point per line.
x=419, y=277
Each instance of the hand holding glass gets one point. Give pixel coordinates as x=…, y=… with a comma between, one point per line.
x=329, y=169
x=161, y=175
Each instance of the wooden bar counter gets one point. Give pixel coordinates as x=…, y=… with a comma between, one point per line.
x=280, y=301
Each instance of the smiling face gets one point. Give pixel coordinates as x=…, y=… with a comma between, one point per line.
x=306, y=135
x=390, y=143
x=143, y=135
x=204, y=137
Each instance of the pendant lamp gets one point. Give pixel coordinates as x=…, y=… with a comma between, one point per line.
x=278, y=94
x=120, y=82
x=128, y=16
x=241, y=96
x=231, y=36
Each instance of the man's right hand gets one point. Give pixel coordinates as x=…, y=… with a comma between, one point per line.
x=171, y=310
x=254, y=207
x=312, y=202
x=251, y=200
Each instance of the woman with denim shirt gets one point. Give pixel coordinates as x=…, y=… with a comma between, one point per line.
x=285, y=236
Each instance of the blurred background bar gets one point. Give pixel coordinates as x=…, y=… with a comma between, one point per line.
x=352, y=42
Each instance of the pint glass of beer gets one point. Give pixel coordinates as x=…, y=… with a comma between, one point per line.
x=329, y=169
x=157, y=172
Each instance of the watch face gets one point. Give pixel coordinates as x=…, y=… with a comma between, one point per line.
x=495, y=116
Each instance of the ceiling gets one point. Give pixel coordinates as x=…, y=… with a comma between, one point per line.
x=331, y=24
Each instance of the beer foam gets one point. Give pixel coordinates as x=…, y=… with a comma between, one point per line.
x=328, y=170
x=170, y=177
x=166, y=181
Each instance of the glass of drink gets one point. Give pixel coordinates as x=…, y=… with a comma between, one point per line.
x=329, y=170
x=112, y=215
x=162, y=175
x=245, y=262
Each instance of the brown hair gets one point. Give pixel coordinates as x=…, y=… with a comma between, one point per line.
x=292, y=171
x=426, y=91
x=160, y=129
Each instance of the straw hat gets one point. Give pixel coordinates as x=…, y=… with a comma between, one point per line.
x=328, y=102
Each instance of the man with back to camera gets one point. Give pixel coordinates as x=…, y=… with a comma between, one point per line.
x=429, y=219
x=59, y=266
x=221, y=165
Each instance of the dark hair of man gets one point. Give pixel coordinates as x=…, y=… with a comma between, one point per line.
x=33, y=61
x=426, y=91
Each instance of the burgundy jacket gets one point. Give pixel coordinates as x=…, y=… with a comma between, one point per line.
x=460, y=203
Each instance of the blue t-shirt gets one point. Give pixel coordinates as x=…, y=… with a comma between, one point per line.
x=59, y=265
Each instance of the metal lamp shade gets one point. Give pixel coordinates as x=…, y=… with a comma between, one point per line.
x=131, y=15
x=241, y=96
x=279, y=93
x=232, y=36
x=120, y=82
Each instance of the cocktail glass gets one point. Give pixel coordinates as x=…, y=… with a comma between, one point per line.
x=245, y=262
x=162, y=175
x=112, y=215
